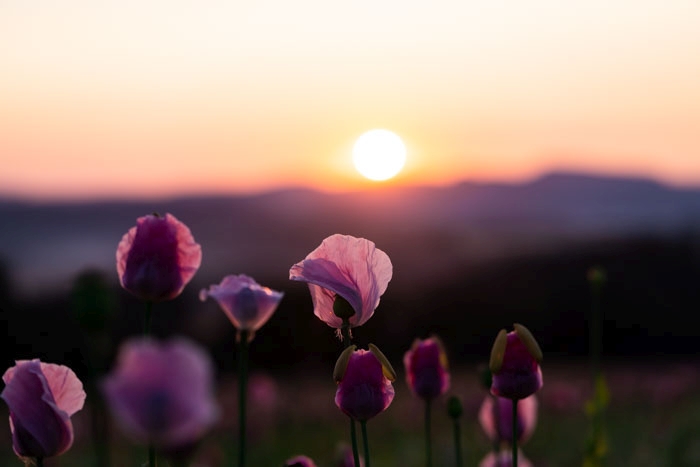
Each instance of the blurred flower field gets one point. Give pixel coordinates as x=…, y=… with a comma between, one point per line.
x=653, y=420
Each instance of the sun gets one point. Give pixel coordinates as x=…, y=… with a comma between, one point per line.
x=379, y=154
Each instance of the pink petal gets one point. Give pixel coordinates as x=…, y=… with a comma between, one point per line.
x=39, y=427
x=350, y=267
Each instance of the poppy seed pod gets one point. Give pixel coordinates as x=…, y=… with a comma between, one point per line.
x=347, y=267
x=157, y=258
x=514, y=364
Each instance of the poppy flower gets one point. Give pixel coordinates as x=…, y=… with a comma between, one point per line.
x=347, y=267
x=299, y=461
x=364, y=382
x=41, y=398
x=162, y=393
x=496, y=418
x=246, y=303
x=157, y=258
x=514, y=364
x=426, y=368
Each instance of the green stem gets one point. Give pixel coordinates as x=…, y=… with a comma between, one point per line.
x=152, y=462
x=363, y=425
x=148, y=318
x=595, y=331
x=515, y=433
x=458, y=444
x=39, y=462
x=147, y=332
x=347, y=342
x=353, y=439
x=242, y=386
x=428, y=441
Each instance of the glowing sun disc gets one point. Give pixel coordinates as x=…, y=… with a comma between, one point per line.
x=379, y=154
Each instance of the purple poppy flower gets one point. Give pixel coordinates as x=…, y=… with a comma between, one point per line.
x=41, y=398
x=299, y=461
x=364, y=382
x=514, y=364
x=246, y=303
x=162, y=393
x=349, y=267
x=496, y=418
x=157, y=258
x=426, y=368
x=504, y=459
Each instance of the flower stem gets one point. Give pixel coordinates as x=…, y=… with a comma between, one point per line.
x=515, y=433
x=353, y=439
x=347, y=342
x=39, y=462
x=428, y=443
x=363, y=425
x=147, y=332
x=242, y=386
x=148, y=319
x=458, y=443
x=152, y=462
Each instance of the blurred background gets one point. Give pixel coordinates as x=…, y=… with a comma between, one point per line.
x=542, y=139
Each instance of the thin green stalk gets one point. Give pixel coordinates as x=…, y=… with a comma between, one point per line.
x=428, y=440
x=39, y=462
x=152, y=461
x=353, y=439
x=148, y=318
x=347, y=342
x=363, y=425
x=242, y=386
x=458, y=443
x=515, y=433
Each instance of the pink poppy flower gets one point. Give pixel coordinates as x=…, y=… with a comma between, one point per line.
x=162, y=393
x=496, y=418
x=41, y=398
x=157, y=258
x=514, y=364
x=349, y=267
x=426, y=368
x=246, y=303
x=299, y=461
x=504, y=459
x=364, y=383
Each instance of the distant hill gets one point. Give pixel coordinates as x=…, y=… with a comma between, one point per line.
x=426, y=231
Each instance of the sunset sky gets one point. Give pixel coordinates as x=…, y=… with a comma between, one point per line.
x=162, y=98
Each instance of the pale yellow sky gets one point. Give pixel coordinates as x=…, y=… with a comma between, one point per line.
x=135, y=98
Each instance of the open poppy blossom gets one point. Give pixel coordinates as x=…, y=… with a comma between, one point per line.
x=347, y=267
x=426, y=368
x=496, y=418
x=246, y=303
x=157, y=258
x=364, y=380
x=514, y=364
x=162, y=393
x=41, y=398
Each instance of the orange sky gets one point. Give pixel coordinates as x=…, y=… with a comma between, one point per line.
x=157, y=98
